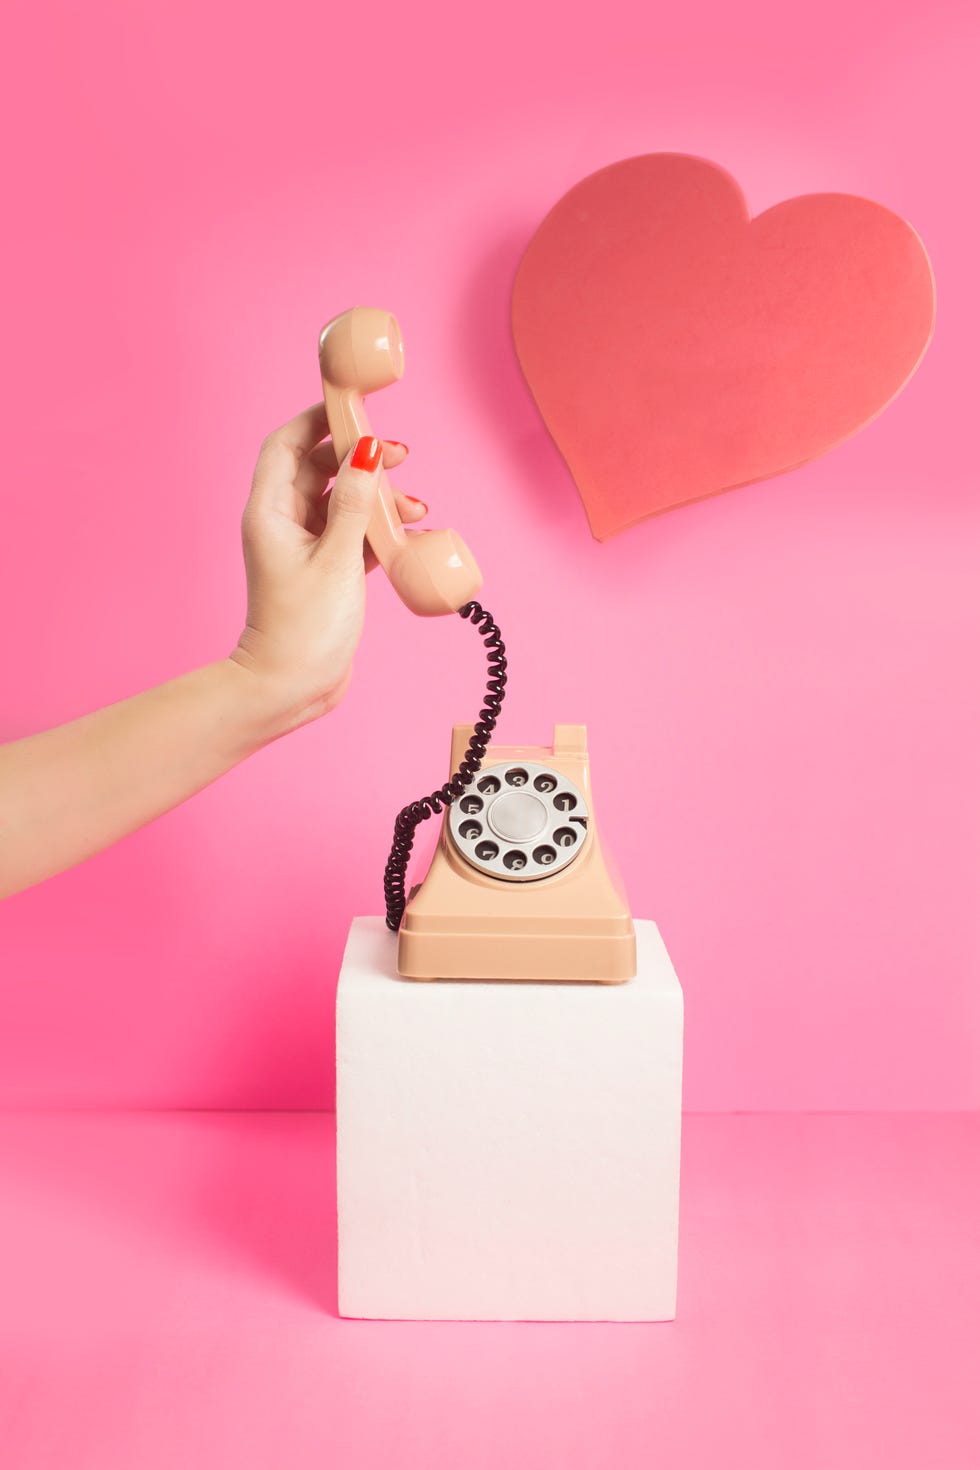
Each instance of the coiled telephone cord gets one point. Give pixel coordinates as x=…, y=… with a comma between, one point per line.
x=420, y=811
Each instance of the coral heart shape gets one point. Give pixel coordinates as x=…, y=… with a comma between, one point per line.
x=677, y=347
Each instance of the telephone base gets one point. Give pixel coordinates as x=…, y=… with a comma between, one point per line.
x=427, y=953
x=466, y=921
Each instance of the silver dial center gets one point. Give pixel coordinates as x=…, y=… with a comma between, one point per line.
x=518, y=816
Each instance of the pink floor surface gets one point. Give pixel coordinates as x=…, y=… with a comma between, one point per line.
x=167, y=1299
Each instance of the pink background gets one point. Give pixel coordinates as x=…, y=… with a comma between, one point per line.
x=787, y=675
x=169, y=1300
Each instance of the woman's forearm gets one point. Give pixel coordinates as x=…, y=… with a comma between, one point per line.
x=67, y=793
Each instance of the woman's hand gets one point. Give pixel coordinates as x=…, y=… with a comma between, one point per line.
x=67, y=792
x=305, y=559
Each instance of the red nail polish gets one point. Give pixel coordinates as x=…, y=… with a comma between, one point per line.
x=397, y=444
x=416, y=501
x=367, y=453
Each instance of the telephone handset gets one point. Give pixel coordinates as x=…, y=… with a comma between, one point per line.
x=361, y=350
x=519, y=887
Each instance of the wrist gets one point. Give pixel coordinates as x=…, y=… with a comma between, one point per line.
x=273, y=701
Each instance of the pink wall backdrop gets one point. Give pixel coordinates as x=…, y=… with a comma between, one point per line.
x=784, y=739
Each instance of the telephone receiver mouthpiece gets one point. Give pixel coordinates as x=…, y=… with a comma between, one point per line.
x=361, y=350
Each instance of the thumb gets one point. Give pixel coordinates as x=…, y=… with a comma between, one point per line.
x=352, y=501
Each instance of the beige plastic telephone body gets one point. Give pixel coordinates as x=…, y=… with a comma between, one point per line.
x=461, y=924
x=361, y=350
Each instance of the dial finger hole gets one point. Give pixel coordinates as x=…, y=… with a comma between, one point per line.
x=545, y=855
x=565, y=837
x=469, y=830
x=487, y=851
x=516, y=776
x=515, y=860
x=545, y=783
x=565, y=801
x=488, y=785
x=470, y=804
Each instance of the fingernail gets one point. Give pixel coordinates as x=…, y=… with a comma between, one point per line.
x=367, y=453
x=397, y=444
x=416, y=501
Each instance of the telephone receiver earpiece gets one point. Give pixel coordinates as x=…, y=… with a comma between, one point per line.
x=361, y=351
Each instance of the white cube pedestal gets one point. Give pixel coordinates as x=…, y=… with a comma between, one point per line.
x=507, y=1150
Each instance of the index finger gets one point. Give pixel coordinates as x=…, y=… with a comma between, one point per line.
x=281, y=455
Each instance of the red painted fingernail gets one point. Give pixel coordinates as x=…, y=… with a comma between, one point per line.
x=367, y=453
x=397, y=444
x=416, y=501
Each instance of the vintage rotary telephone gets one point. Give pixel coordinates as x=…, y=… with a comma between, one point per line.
x=518, y=888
